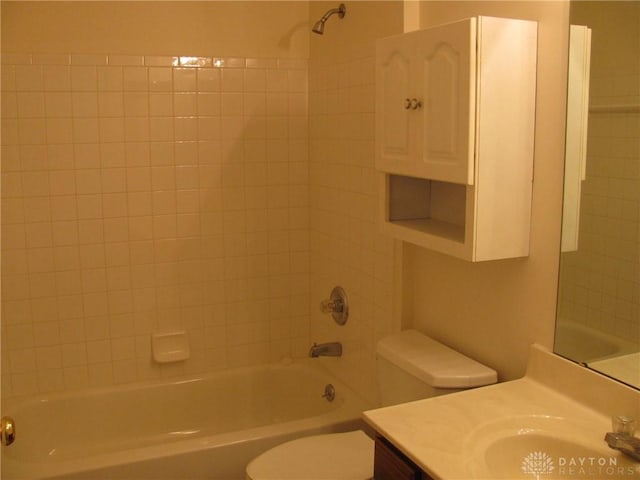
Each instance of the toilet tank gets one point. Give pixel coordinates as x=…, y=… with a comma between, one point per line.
x=412, y=366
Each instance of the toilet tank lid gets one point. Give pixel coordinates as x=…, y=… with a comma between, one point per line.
x=434, y=363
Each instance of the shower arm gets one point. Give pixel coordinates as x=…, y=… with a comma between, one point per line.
x=341, y=10
x=318, y=27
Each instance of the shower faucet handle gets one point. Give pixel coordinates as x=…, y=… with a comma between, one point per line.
x=332, y=305
x=337, y=305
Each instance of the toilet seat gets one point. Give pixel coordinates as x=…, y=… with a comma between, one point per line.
x=335, y=456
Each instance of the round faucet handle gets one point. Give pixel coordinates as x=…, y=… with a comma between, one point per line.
x=337, y=305
x=623, y=424
x=327, y=306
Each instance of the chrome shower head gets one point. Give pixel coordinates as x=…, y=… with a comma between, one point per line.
x=318, y=27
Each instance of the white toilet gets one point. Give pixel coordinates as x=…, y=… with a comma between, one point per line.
x=411, y=366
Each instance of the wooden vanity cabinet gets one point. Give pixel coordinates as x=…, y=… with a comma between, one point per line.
x=455, y=118
x=391, y=464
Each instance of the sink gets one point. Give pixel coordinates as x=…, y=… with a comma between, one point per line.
x=543, y=448
x=540, y=455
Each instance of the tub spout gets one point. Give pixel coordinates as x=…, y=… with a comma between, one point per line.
x=332, y=349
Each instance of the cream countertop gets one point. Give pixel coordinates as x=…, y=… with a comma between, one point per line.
x=446, y=435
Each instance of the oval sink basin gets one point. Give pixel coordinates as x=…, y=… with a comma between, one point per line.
x=544, y=448
x=541, y=456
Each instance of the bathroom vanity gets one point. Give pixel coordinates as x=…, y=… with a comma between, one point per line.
x=555, y=417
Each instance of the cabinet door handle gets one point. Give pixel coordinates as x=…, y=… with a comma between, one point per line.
x=412, y=104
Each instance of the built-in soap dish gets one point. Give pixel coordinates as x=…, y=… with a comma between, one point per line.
x=170, y=347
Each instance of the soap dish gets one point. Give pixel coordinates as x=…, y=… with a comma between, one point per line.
x=170, y=347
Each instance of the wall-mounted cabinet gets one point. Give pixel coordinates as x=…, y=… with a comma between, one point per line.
x=454, y=136
x=575, y=158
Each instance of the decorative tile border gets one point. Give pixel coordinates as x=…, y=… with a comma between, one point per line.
x=151, y=60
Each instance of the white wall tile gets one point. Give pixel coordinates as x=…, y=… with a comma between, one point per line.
x=29, y=77
x=84, y=78
x=135, y=180
x=184, y=79
x=135, y=79
x=208, y=79
x=232, y=80
x=110, y=78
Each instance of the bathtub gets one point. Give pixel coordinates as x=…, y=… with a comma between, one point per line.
x=585, y=344
x=205, y=427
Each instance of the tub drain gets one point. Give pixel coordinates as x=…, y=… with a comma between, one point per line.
x=329, y=392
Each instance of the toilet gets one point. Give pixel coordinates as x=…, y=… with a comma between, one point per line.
x=410, y=366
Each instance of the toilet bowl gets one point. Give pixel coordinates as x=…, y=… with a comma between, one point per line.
x=410, y=366
x=344, y=456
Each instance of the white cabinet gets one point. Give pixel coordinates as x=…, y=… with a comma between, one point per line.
x=455, y=114
x=575, y=158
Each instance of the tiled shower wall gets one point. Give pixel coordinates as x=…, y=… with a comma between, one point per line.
x=601, y=281
x=146, y=194
x=346, y=247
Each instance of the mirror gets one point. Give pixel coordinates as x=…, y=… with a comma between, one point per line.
x=598, y=319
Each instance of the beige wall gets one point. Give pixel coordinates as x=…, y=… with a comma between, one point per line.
x=493, y=311
x=239, y=28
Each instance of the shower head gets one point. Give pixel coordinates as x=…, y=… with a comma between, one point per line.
x=318, y=27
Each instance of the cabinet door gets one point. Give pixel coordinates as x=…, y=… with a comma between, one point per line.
x=390, y=464
x=444, y=65
x=395, y=143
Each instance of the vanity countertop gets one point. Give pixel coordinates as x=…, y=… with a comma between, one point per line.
x=448, y=436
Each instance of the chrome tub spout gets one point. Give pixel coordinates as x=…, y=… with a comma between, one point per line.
x=331, y=349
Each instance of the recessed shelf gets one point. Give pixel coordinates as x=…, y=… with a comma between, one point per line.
x=429, y=226
x=427, y=206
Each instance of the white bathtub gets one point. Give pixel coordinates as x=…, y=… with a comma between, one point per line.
x=206, y=427
x=584, y=344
